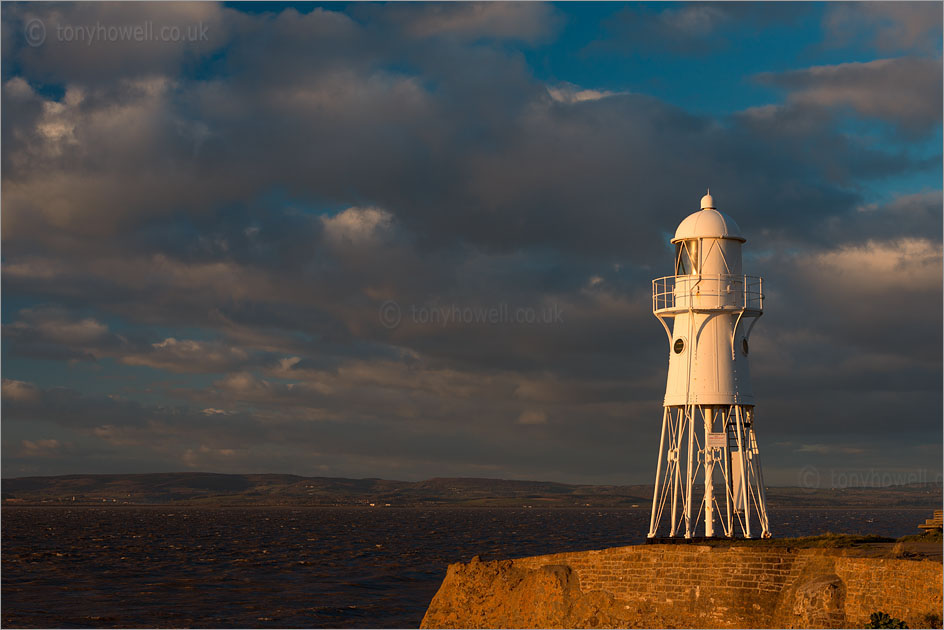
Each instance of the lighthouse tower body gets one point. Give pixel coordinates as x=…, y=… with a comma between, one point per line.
x=708, y=309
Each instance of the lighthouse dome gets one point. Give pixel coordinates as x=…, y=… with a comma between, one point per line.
x=708, y=223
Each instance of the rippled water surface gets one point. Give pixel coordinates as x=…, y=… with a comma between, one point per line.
x=298, y=567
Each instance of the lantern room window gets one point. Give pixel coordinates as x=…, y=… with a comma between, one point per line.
x=686, y=257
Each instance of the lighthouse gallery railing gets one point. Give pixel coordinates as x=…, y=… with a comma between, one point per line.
x=701, y=292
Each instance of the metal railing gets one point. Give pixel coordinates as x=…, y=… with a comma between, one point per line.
x=702, y=292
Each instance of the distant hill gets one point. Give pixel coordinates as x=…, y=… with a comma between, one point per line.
x=291, y=490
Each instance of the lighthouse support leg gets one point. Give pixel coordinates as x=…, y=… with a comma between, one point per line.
x=656, y=491
x=745, y=481
x=689, y=471
x=761, y=489
x=676, y=443
x=708, y=415
x=728, y=492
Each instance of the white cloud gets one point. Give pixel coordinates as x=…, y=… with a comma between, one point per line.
x=570, y=94
x=358, y=226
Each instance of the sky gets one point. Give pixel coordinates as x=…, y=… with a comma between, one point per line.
x=417, y=240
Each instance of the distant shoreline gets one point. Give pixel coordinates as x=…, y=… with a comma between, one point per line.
x=795, y=508
x=210, y=490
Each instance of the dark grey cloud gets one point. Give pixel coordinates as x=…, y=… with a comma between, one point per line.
x=97, y=43
x=471, y=21
x=889, y=27
x=233, y=440
x=351, y=131
x=54, y=333
x=915, y=215
x=905, y=91
x=691, y=28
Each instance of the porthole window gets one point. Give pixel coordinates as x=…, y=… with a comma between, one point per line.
x=679, y=346
x=744, y=346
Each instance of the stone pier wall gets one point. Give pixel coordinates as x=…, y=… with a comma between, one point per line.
x=693, y=586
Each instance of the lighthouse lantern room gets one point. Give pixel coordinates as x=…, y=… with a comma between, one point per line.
x=708, y=309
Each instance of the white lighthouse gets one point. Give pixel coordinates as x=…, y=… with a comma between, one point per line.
x=708, y=309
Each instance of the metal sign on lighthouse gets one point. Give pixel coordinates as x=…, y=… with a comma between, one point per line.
x=708, y=309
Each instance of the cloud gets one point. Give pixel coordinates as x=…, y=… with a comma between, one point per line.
x=205, y=456
x=55, y=333
x=875, y=268
x=187, y=355
x=826, y=449
x=694, y=20
x=54, y=326
x=905, y=91
x=121, y=432
x=385, y=139
x=570, y=94
x=357, y=226
x=532, y=417
x=96, y=42
x=692, y=28
x=41, y=448
x=913, y=215
x=529, y=22
x=889, y=27
x=101, y=126
x=19, y=390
